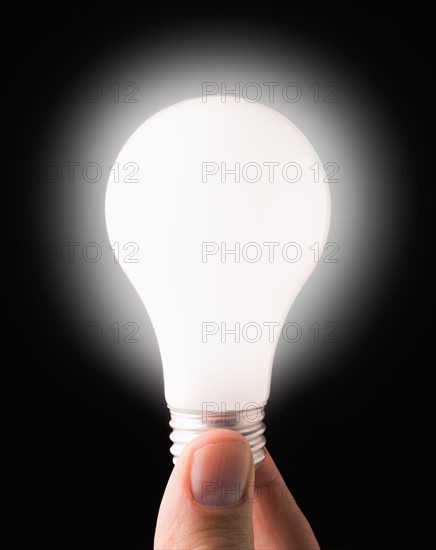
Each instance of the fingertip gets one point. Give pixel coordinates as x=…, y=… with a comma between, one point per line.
x=209, y=494
x=213, y=437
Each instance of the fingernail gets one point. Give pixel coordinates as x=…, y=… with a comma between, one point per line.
x=219, y=473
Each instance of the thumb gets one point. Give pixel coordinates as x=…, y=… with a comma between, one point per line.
x=208, y=499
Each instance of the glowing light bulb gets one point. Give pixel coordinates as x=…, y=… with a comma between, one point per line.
x=224, y=207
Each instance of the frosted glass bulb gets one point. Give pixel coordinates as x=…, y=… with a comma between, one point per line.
x=224, y=208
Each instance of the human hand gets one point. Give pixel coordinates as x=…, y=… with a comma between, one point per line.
x=214, y=500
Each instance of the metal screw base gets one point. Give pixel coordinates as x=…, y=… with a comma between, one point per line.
x=187, y=425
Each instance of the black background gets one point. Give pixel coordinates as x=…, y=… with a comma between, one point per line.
x=92, y=458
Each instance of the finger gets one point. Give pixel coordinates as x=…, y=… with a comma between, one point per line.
x=207, y=503
x=278, y=522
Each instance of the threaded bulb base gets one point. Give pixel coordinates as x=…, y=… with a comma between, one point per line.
x=187, y=425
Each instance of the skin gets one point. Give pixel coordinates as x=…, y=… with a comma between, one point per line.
x=266, y=518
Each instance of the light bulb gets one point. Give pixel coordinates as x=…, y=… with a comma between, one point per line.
x=226, y=201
